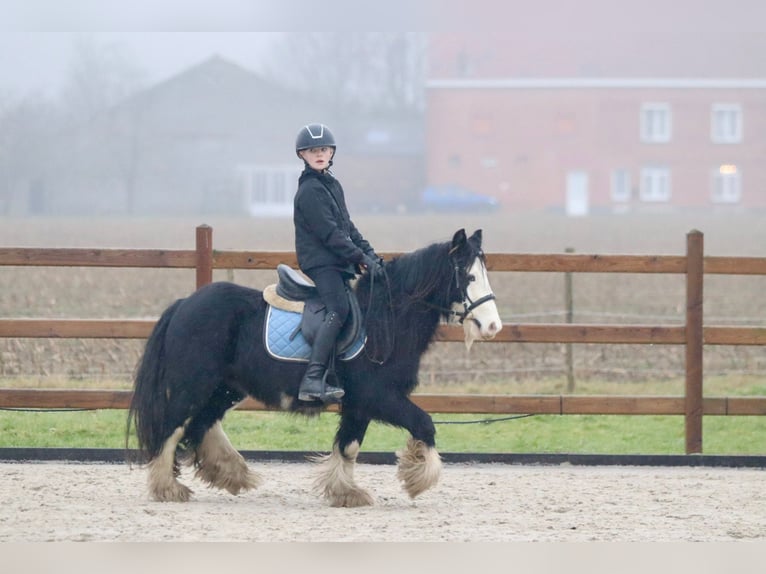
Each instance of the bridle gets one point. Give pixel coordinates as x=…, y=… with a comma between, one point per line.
x=468, y=304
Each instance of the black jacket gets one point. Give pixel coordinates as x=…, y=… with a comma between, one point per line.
x=324, y=232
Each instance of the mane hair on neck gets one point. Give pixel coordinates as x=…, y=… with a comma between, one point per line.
x=406, y=306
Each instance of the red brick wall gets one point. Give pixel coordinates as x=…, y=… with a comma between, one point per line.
x=518, y=143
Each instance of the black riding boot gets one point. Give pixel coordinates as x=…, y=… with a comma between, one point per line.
x=313, y=385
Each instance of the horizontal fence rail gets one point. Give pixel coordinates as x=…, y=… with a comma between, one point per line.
x=511, y=333
x=446, y=404
x=204, y=259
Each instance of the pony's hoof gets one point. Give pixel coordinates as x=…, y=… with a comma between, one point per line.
x=335, y=481
x=249, y=481
x=351, y=499
x=173, y=492
x=419, y=467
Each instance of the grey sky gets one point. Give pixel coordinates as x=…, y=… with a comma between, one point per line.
x=36, y=36
x=47, y=56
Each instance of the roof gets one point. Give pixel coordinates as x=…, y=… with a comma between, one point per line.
x=220, y=98
x=610, y=83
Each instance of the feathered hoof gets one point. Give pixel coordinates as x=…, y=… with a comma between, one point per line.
x=419, y=467
x=171, y=492
x=350, y=499
x=248, y=481
x=335, y=479
x=163, y=484
x=234, y=479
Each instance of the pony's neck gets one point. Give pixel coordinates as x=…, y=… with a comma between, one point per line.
x=424, y=275
x=414, y=299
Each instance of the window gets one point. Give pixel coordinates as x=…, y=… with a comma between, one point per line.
x=269, y=190
x=620, y=185
x=454, y=161
x=655, y=123
x=727, y=184
x=378, y=137
x=655, y=184
x=726, y=123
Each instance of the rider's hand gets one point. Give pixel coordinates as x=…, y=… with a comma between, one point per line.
x=373, y=266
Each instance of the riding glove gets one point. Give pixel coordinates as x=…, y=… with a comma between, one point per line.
x=373, y=266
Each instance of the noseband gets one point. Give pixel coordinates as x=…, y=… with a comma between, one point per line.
x=468, y=304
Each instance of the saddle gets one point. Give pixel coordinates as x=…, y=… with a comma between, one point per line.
x=293, y=292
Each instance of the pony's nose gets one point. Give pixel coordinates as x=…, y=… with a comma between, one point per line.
x=490, y=330
x=493, y=329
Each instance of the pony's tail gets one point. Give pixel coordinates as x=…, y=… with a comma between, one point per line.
x=148, y=406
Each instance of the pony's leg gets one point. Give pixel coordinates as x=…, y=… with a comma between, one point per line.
x=216, y=461
x=220, y=465
x=335, y=480
x=419, y=463
x=419, y=467
x=163, y=470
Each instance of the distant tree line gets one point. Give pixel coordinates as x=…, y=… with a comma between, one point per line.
x=359, y=72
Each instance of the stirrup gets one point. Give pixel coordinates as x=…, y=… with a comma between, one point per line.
x=329, y=396
x=327, y=393
x=332, y=395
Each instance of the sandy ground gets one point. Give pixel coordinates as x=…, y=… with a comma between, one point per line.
x=473, y=502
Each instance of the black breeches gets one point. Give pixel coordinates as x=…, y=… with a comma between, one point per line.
x=331, y=286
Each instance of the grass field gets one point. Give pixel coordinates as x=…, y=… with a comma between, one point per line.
x=542, y=434
x=489, y=368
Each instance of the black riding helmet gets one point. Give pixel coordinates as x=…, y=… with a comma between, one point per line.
x=314, y=135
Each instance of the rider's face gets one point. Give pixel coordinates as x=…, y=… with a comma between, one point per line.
x=318, y=158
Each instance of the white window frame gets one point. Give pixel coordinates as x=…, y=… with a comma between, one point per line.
x=655, y=185
x=726, y=184
x=268, y=190
x=726, y=123
x=656, y=122
x=621, y=185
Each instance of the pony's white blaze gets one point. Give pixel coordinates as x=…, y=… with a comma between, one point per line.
x=483, y=322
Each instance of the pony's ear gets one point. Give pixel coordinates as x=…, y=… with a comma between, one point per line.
x=458, y=240
x=475, y=239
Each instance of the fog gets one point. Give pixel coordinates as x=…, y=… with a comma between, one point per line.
x=177, y=121
x=48, y=56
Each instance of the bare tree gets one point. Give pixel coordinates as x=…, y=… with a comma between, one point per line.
x=100, y=76
x=362, y=70
x=26, y=128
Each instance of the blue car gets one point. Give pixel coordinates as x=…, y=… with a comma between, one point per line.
x=452, y=198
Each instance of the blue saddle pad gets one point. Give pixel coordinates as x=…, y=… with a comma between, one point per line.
x=281, y=324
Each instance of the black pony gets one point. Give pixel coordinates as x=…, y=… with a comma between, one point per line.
x=207, y=353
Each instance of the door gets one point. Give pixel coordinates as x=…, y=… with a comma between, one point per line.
x=577, y=193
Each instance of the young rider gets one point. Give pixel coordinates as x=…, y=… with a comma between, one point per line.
x=330, y=250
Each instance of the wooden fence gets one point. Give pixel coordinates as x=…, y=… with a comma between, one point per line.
x=693, y=333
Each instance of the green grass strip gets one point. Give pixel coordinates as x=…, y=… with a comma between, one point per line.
x=586, y=434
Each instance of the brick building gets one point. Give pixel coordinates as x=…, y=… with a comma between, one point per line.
x=566, y=112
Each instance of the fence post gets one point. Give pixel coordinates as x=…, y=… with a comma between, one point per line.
x=204, y=255
x=694, y=341
x=569, y=303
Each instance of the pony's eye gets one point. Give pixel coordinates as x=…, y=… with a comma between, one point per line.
x=471, y=277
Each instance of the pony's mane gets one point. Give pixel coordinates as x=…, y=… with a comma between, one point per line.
x=413, y=296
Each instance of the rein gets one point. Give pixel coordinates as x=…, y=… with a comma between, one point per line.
x=468, y=306
x=390, y=332
x=468, y=303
